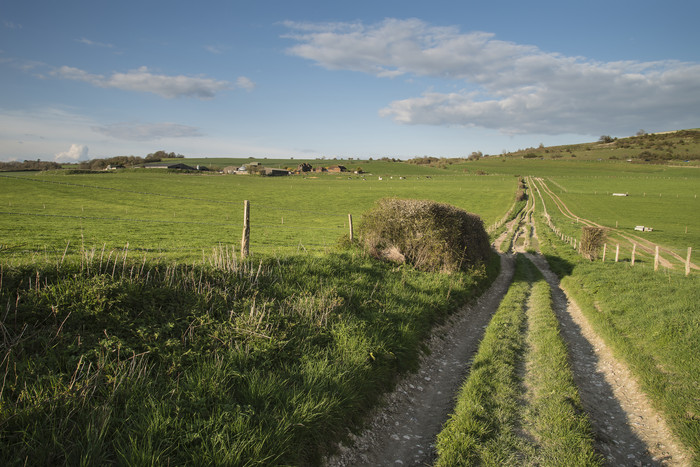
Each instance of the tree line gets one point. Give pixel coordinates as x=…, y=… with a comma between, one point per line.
x=93, y=164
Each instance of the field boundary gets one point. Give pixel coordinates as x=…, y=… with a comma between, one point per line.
x=645, y=245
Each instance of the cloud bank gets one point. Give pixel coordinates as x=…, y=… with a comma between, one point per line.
x=147, y=131
x=142, y=80
x=506, y=86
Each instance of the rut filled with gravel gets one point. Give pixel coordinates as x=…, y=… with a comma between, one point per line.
x=403, y=430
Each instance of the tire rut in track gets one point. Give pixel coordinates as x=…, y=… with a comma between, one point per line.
x=629, y=431
x=403, y=430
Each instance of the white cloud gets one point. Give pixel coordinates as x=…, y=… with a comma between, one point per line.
x=147, y=131
x=85, y=41
x=11, y=25
x=77, y=152
x=214, y=49
x=519, y=88
x=245, y=83
x=143, y=80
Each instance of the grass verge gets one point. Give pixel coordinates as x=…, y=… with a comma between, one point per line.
x=655, y=328
x=495, y=422
x=112, y=361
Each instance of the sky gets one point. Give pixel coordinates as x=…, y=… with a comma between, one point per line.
x=308, y=79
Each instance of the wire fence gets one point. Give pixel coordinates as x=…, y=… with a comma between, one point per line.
x=35, y=229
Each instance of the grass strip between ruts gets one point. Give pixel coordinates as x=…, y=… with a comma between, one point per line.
x=495, y=422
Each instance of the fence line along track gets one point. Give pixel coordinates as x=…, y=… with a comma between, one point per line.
x=645, y=245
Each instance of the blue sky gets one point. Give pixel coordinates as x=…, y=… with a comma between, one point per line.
x=304, y=79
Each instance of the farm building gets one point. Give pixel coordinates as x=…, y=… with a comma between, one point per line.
x=169, y=165
x=620, y=194
x=270, y=172
x=337, y=169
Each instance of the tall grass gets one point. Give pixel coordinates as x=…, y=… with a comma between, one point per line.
x=115, y=359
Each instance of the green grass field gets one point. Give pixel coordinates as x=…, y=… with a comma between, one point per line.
x=163, y=352
x=179, y=215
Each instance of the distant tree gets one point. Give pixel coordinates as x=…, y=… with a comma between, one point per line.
x=641, y=133
x=475, y=156
x=606, y=139
x=29, y=165
x=160, y=155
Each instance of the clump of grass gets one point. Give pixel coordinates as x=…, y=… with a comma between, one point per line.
x=430, y=236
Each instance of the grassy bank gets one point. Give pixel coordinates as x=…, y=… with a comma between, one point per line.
x=113, y=361
x=655, y=328
x=505, y=418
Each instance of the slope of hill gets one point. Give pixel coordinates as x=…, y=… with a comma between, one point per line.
x=681, y=145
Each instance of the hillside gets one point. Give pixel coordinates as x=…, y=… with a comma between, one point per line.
x=681, y=145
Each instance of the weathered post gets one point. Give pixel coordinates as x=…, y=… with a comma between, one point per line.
x=605, y=249
x=245, y=240
x=617, y=252
x=350, y=225
x=634, y=251
x=687, y=262
x=656, y=258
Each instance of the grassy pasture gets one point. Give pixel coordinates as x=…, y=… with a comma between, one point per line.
x=179, y=215
x=668, y=204
x=663, y=197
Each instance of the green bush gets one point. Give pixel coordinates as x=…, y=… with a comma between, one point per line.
x=430, y=236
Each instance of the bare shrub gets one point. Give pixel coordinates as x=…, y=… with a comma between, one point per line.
x=430, y=236
x=592, y=239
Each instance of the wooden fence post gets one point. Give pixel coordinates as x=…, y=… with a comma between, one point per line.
x=245, y=240
x=656, y=258
x=634, y=251
x=617, y=252
x=605, y=248
x=350, y=224
x=687, y=262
